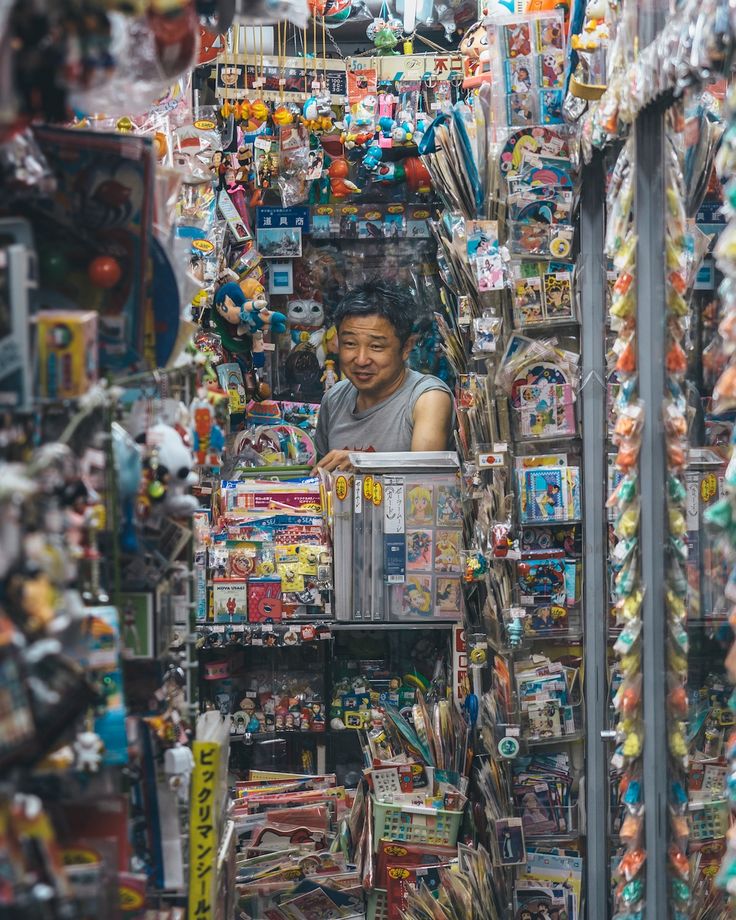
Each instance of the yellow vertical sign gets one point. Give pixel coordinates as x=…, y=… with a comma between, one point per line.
x=203, y=840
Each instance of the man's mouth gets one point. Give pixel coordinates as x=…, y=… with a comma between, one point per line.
x=363, y=376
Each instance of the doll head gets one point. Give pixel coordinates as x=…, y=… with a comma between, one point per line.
x=229, y=302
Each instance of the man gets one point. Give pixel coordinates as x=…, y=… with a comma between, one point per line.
x=382, y=405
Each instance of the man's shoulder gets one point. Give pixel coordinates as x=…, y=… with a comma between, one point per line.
x=338, y=393
x=425, y=383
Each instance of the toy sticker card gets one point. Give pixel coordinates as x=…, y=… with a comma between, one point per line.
x=448, y=597
x=449, y=508
x=419, y=550
x=419, y=504
x=546, y=410
x=416, y=596
x=528, y=304
x=447, y=551
x=518, y=39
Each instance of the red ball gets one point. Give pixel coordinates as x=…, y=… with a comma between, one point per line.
x=104, y=271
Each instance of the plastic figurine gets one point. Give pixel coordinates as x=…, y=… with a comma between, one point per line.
x=340, y=185
x=218, y=167
x=476, y=56
x=329, y=378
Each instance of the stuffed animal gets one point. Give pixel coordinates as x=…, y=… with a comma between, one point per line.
x=241, y=320
x=167, y=474
x=128, y=469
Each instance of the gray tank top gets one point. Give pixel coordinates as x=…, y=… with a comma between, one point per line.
x=386, y=426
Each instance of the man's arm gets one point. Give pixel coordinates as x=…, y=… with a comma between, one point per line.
x=432, y=421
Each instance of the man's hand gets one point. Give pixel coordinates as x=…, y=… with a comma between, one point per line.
x=335, y=460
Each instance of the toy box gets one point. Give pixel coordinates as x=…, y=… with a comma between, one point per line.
x=67, y=352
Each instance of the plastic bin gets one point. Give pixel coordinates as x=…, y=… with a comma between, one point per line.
x=377, y=907
x=415, y=823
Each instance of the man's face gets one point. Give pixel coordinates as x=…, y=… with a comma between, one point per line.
x=371, y=355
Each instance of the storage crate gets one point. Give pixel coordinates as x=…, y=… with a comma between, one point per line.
x=415, y=823
x=377, y=908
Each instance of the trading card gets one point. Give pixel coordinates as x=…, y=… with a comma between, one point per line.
x=416, y=598
x=558, y=299
x=550, y=34
x=419, y=550
x=528, y=304
x=419, y=504
x=519, y=75
x=448, y=597
x=447, y=551
x=521, y=109
x=518, y=39
x=449, y=507
x=551, y=69
x=510, y=840
x=550, y=106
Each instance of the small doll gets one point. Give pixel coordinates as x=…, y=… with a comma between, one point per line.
x=329, y=378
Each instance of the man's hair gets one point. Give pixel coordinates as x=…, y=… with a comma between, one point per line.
x=380, y=298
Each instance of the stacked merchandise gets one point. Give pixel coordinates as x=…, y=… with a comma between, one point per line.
x=416, y=776
x=678, y=256
x=628, y=419
x=720, y=517
x=292, y=861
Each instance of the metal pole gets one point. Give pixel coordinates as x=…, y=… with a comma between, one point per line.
x=593, y=332
x=650, y=222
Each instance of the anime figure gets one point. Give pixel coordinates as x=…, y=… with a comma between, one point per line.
x=420, y=505
x=207, y=437
x=338, y=172
x=329, y=378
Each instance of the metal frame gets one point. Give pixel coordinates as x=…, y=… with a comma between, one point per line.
x=650, y=224
x=593, y=339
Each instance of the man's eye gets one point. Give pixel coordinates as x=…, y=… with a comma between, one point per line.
x=377, y=347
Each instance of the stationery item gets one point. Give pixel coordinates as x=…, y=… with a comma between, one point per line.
x=230, y=600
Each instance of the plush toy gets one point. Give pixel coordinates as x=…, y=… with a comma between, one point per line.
x=167, y=474
x=240, y=318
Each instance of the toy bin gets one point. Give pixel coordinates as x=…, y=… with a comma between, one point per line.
x=377, y=908
x=415, y=823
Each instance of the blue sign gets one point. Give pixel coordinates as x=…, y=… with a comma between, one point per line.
x=276, y=218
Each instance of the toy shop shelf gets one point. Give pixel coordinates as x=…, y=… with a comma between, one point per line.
x=283, y=735
x=571, y=738
x=384, y=626
x=572, y=637
x=550, y=523
x=567, y=817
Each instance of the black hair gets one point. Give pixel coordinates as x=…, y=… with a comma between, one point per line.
x=393, y=302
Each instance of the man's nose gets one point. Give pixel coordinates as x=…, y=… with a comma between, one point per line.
x=363, y=357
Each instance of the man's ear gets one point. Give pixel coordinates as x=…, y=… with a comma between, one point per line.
x=408, y=345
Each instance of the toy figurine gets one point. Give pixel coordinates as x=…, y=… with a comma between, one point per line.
x=329, y=378
x=338, y=173
x=218, y=167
